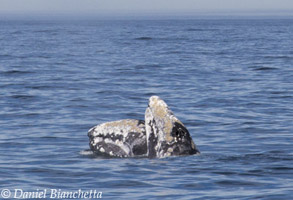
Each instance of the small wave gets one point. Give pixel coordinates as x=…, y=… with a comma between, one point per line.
x=143, y=38
x=49, y=137
x=16, y=32
x=265, y=68
x=200, y=29
x=43, y=56
x=6, y=56
x=40, y=87
x=13, y=72
x=278, y=57
x=237, y=80
x=252, y=157
x=23, y=96
x=45, y=31
x=148, y=66
x=174, y=52
x=237, y=183
x=281, y=168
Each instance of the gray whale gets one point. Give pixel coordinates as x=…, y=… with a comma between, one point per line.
x=160, y=135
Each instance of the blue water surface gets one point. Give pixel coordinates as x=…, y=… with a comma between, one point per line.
x=230, y=81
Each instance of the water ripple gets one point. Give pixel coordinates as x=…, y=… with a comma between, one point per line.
x=231, y=87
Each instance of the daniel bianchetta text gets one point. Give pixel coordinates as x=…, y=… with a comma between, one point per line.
x=50, y=194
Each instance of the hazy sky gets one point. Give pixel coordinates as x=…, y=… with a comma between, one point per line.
x=142, y=6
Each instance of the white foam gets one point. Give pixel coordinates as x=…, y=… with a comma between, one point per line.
x=86, y=152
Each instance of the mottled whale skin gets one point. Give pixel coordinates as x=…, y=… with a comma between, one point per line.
x=123, y=138
x=160, y=135
x=166, y=135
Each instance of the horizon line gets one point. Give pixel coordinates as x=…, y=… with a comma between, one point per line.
x=147, y=14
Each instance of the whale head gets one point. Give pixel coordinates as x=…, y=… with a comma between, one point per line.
x=166, y=134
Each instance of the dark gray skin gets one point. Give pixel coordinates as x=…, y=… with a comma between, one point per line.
x=184, y=144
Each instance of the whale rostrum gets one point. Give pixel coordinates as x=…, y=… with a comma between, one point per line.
x=166, y=135
x=160, y=135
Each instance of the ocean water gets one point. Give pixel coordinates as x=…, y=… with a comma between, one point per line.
x=230, y=81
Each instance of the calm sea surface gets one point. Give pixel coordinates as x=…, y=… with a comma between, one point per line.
x=229, y=81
